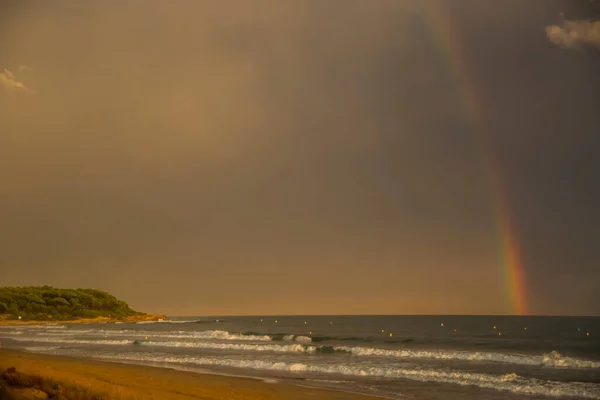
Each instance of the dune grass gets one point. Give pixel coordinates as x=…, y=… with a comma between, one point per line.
x=15, y=385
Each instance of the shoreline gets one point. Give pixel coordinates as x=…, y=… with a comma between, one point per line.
x=134, y=381
x=97, y=320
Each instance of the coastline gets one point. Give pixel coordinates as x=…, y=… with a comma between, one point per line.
x=129, y=381
x=98, y=320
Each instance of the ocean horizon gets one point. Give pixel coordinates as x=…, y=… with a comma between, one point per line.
x=191, y=316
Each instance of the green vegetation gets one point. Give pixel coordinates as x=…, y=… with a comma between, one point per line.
x=45, y=303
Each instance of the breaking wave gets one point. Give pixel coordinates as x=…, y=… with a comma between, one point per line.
x=13, y=333
x=313, y=339
x=195, y=321
x=44, y=326
x=73, y=341
x=213, y=339
x=508, y=382
x=211, y=334
x=41, y=349
x=297, y=338
x=553, y=359
x=291, y=348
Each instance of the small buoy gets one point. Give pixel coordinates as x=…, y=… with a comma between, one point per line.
x=105, y=336
x=304, y=322
x=587, y=334
x=275, y=321
x=578, y=329
x=261, y=320
x=525, y=328
x=390, y=335
x=455, y=330
x=499, y=333
x=494, y=326
x=382, y=331
x=330, y=322
x=146, y=337
x=442, y=324
x=310, y=332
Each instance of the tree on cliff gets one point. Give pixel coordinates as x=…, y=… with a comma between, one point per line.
x=49, y=303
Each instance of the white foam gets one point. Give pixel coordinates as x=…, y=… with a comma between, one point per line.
x=550, y=360
x=555, y=359
x=41, y=349
x=224, y=335
x=151, y=322
x=299, y=339
x=44, y=326
x=164, y=321
x=72, y=341
x=291, y=348
x=302, y=339
x=210, y=334
x=67, y=332
x=58, y=334
x=509, y=382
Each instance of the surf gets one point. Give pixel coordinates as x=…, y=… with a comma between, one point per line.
x=510, y=382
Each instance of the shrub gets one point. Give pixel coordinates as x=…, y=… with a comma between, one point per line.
x=60, y=304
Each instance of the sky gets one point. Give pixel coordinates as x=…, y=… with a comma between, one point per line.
x=304, y=156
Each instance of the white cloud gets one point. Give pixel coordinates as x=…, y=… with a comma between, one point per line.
x=575, y=34
x=8, y=80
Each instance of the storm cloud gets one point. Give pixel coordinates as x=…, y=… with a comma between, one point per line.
x=312, y=157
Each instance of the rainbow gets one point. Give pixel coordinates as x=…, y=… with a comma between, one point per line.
x=449, y=47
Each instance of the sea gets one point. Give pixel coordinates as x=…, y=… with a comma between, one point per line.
x=395, y=357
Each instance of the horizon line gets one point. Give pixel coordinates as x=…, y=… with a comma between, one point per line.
x=383, y=315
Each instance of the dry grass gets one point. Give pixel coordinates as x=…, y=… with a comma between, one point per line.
x=17, y=385
x=130, y=382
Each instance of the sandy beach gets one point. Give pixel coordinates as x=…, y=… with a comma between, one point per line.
x=98, y=320
x=125, y=381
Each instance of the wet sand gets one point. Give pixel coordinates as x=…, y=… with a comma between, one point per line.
x=126, y=381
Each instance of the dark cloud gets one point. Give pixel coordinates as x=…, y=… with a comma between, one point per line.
x=296, y=157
